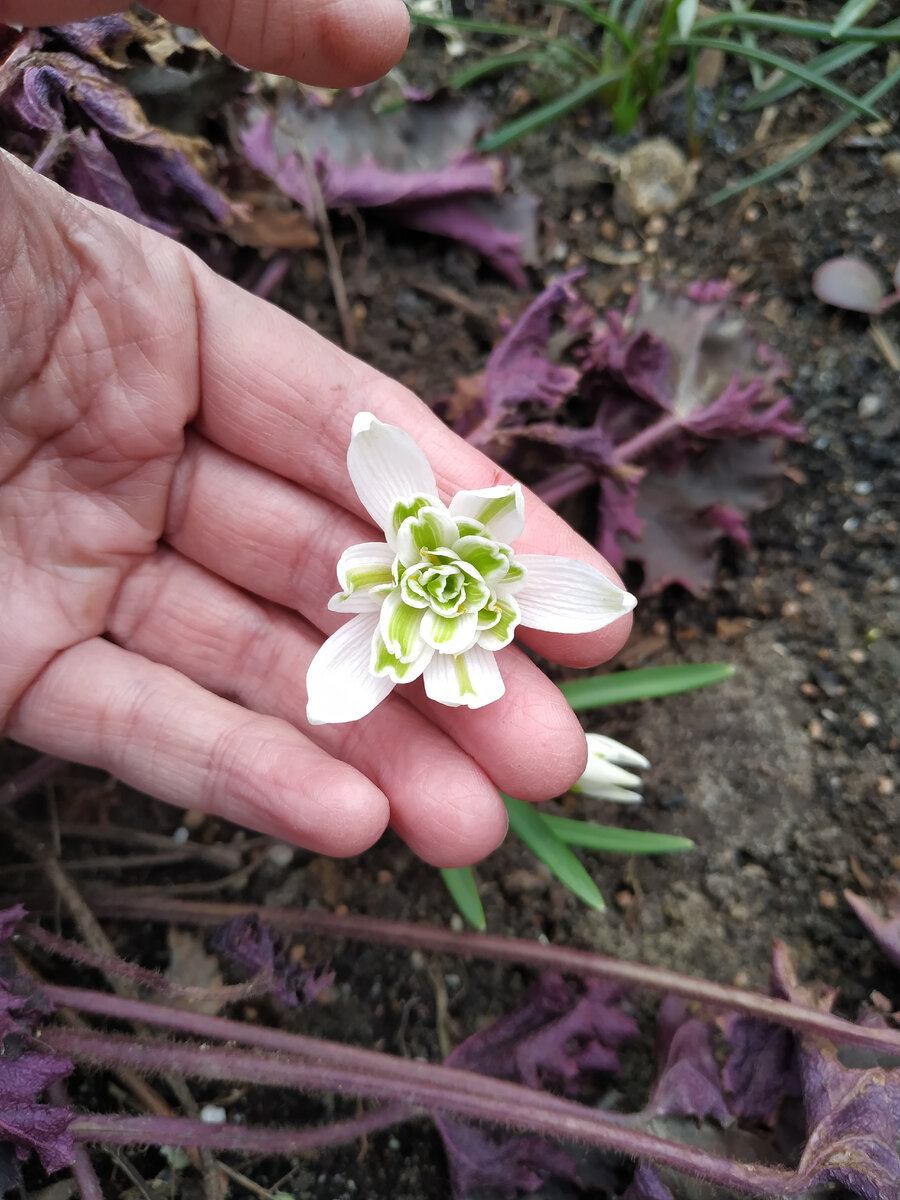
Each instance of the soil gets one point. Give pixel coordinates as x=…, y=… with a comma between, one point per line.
x=785, y=776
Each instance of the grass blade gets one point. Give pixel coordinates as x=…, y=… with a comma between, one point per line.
x=772, y=23
x=528, y=824
x=496, y=62
x=647, y=683
x=852, y=11
x=604, y=20
x=546, y=113
x=815, y=143
x=613, y=840
x=823, y=64
x=804, y=73
x=462, y=887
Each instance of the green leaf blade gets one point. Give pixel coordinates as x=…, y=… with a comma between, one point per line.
x=463, y=888
x=645, y=683
x=613, y=840
x=528, y=824
x=852, y=12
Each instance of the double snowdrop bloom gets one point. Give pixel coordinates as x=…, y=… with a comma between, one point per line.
x=444, y=591
x=604, y=776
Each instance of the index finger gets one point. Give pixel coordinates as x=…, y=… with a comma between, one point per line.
x=279, y=395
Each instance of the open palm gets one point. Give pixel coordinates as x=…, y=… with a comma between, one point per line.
x=173, y=500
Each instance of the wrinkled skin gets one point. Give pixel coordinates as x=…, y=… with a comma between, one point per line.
x=174, y=498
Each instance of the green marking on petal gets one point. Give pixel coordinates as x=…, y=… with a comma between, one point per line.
x=442, y=630
x=488, y=617
x=385, y=663
x=515, y=575
x=462, y=675
x=400, y=628
x=367, y=576
x=498, y=507
x=489, y=560
x=469, y=527
x=408, y=508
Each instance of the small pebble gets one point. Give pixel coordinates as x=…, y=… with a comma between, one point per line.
x=827, y=899
x=281, y=854
x=385, y=877
x=456, y=923
x=868, y=720
x=885, y=785
x=870, y=405
x=213, y=1114
x=857, y=656
x=815, y=730
x=890, y=164
x=181, y=835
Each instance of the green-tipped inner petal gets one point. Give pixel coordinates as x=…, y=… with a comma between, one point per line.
x=408, y=508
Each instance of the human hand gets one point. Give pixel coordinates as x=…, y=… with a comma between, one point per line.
x=173, y=493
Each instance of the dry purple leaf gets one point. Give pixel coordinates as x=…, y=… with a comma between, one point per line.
x=416, y=165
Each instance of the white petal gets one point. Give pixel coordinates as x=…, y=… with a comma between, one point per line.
x=500, y=509
x=385, y=466
x=616, y=794
x=453, y=635
x=472, y=679
x=356, y=602
x=563, y=595
x=616, y=752
x=339, y=685
x=601, y=773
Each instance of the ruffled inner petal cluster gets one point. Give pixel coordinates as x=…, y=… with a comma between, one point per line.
x=444, y=591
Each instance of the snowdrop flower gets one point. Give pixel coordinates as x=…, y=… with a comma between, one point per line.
x=604, y=777
x=444, y=591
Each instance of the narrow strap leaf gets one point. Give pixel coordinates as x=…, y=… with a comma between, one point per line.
x=528, y=824
x=646, y=683
x=462, y=886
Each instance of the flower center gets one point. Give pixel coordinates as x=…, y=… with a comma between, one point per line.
x=445, y=584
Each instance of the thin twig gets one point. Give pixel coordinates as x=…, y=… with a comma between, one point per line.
x=333, y=259
x=29, y=778
x=517, y=950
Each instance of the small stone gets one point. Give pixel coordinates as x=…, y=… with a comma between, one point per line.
x=657, y=225
x=890, y=164
x=790, y=608
x=868, y=720
x=827, y=899
x=870, y=405
x=856, y=655
x=213, y=1114
x=456, y=923
x=624, y=899
x=385, y=877
x=885, y=785
x=809, y=690
x=181, y=835
x=816, y=730
x=805, y=587
x=281, y=854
